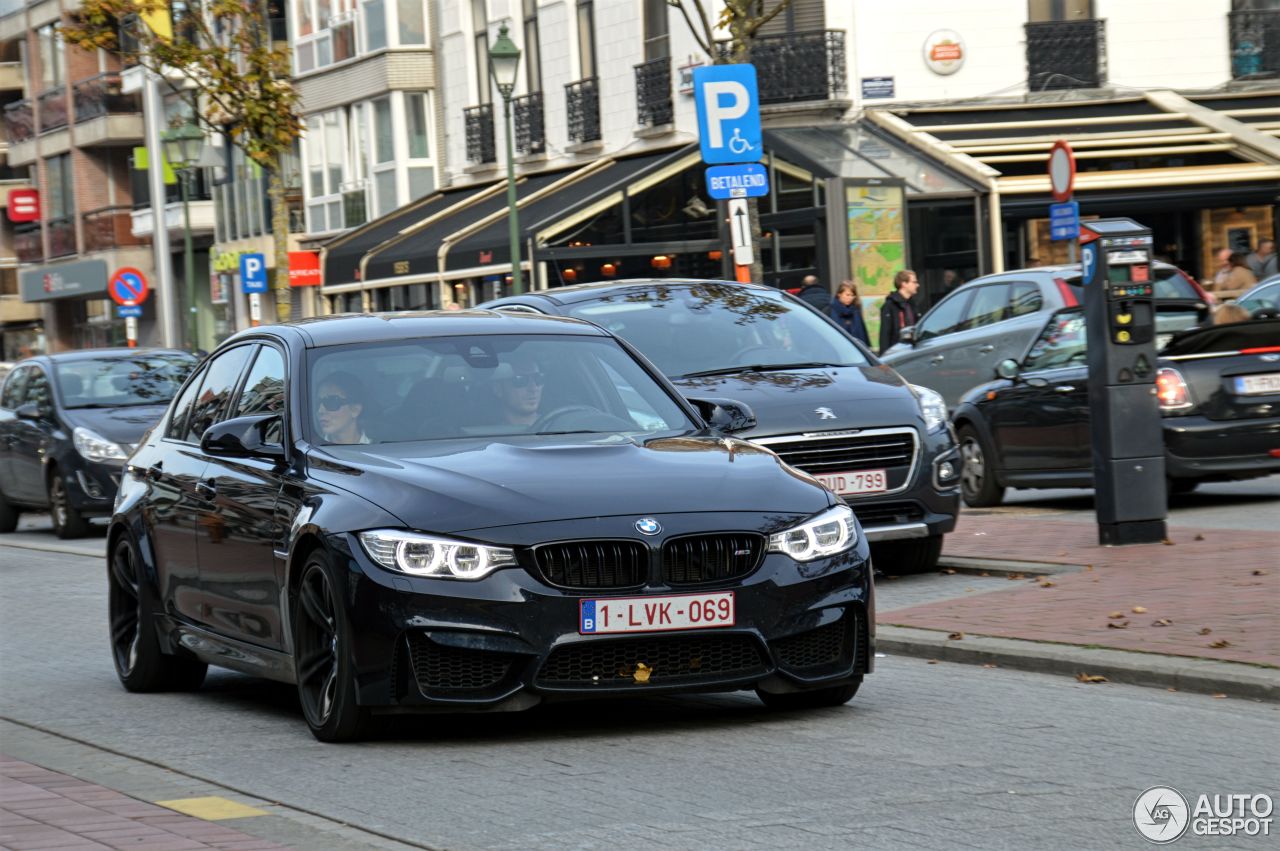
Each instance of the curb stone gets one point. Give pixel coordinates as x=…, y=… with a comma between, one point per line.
x=1205, y=676
x=1004, y=567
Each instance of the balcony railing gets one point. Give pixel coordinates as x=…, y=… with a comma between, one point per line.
x=531, y=133
x=110, y=227
x=19, y=121
x=480, y=145
x=62, y=236
x=53, y=109
x=654, y=105
x=101, y=95
x=1066, y=55
x=27, y=246
x=1255, y=43
x=140, y=188
x=583, y=101
x=803, y=66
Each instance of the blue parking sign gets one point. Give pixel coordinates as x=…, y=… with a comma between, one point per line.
x=728, y=103
x=253, y=273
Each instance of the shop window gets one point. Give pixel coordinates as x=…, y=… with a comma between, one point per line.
x=673, y=210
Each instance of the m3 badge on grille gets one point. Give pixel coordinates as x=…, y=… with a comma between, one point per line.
x=648, y=526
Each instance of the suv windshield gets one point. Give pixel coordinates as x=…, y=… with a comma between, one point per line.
x=484, y=386
x=122, y=382
x=698, y=329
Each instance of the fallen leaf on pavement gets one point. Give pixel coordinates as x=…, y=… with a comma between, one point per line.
x=1205, y=631
x=984, y=573
x=990, y=665
x=1171, y=689
x=1090, y=678
x=933, y=661
x=1162, y=622
x=1046, y=584
x=1014, y=576
x=1139, y=610
x=949, y=572
x=1219, y=697
x=1117, y=624
x=1199, y=537
x=1220, y=643
x=956, y=636
x=1116, y=615
x=1259, y=573
x=1088, y=567
x=1167, y=542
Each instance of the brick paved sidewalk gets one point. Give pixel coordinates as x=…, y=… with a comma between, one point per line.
x=1223, y=581
x=51, y=811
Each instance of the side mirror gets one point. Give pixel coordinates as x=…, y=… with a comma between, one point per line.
x=907, y=335
x=29, y=411
x=245, y=437
x=725, y=415
x=1008, y=369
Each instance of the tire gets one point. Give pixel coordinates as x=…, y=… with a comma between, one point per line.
x=978, y=483
x=67, y=522
x=135, y=648
x=8, y=516
x=900, y=558
x=819, y=698
x=322, y=656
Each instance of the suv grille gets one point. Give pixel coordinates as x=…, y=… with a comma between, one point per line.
x=847, y=453
x=826, y=646
x=710, y=558
x=888, y=513
x=438, y=668
x=593, y=564
x=612, y=662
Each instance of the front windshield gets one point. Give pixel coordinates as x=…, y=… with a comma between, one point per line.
x=122, y=382
x=484, y=386
x=692, y=329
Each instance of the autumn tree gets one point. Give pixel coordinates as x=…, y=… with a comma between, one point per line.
x=220, y=59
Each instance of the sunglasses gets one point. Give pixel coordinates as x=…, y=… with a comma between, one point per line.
x=537, y=379
x=333, y=402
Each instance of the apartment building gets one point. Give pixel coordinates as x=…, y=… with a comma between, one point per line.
x=21, y=328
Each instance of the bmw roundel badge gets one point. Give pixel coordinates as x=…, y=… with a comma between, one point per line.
x=648, y=526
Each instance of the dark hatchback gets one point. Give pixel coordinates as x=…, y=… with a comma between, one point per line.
x=1219, y=397
x=474, y=511
x=67, y=423
x=823, y=402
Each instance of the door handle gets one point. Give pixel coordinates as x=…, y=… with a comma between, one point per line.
x=986, y=349
x=1065, y=388
x=207, y=488
x=937, y=359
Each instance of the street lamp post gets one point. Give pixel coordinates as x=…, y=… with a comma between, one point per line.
x=504, y=62
x=182, y=149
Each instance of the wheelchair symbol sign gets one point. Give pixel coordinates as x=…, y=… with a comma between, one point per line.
x=728, y=104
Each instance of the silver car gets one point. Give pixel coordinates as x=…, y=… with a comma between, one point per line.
x=957, y=344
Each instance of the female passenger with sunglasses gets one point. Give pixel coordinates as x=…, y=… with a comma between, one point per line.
x=339, y=409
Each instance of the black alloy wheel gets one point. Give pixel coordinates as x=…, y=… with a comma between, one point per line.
x=322, y=657
x=67, y=522
x=978, y=483
x=818, y=698
x=135, y=648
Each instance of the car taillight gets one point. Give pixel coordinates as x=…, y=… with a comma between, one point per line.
x=1172, y=390
x=1068, y=295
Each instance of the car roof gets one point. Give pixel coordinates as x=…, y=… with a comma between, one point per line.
x=1058, y=269
x=344, y=328
x=588, y=292
x=99, y=354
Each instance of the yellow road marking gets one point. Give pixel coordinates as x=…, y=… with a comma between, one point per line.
x=212, y=808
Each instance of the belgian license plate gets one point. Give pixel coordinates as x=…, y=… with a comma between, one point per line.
x=655, y=614
x=1258, y=385
x=862, y=481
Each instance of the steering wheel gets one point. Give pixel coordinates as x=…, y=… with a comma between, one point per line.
x=742, y=353
x=563, y=411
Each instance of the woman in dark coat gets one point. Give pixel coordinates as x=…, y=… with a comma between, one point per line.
x=846, y=309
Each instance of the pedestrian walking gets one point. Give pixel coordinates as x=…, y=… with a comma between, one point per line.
x=898, y=311
x=813, y=291
x=846, y=309
x=1262, y=262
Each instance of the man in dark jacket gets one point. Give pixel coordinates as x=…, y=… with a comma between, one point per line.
x=812, y=291
x=898, y=311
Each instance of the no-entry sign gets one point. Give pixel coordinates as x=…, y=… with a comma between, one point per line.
x=128, y=286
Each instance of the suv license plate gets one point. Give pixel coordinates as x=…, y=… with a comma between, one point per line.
x=1258, y=385
x=863, y=481
x=655, y=614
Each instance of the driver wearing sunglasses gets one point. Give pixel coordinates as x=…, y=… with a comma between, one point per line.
x=338, y=409
x=519, y=389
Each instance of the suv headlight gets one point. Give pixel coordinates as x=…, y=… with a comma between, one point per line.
x=95, y=447
x=425, y=555
x=833, y=531
x=933, y=407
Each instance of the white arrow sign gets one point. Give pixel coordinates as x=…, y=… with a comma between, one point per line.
x=740, y=229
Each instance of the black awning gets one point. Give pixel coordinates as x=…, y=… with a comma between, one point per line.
x=342, y=255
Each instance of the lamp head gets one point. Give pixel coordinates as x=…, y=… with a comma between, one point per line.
x=504, y=62
x=182, y=145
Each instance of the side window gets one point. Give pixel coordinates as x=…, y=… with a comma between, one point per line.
x=15, y=387
x=946, y=317
x=638, y=409
x=182, y=408
x=38, y=389
x=220, y=382
x=1024, y=298
x=1061, y=343
x=990, y=305
x=263, y=391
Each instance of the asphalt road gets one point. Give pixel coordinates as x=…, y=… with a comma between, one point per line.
x=927, y=756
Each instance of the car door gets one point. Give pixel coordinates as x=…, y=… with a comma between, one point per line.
x=31, y=437
x=1040, y=423
x=15, y=387
x=925, y=363
x=239, y=527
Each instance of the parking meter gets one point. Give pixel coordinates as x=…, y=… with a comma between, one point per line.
x=1125, y=425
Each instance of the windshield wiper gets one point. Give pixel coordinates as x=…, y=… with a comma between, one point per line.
x=573, y=431
x=755, y=367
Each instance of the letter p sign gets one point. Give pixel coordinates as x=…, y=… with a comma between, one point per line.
x=728, y=106
x=253, y=273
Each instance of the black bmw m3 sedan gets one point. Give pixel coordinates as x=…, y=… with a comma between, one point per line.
x=474, y=511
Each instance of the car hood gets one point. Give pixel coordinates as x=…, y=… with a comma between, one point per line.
x=119, y=425
x=814, y=399
x=459, y=485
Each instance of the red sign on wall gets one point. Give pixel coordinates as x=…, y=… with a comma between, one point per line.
x=304, y=269
x=24, y=205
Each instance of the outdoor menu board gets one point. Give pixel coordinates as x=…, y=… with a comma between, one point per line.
x=877, y=243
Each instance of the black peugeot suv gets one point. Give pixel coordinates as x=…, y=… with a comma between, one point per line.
x=823, y=402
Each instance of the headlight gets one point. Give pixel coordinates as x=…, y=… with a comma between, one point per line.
x=831, y=532
x=95, y=447
x=933, y=407
x=424, y=555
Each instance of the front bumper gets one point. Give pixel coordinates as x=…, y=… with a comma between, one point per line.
x=510, y=641
x=1201, y=448
x=92, y=487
